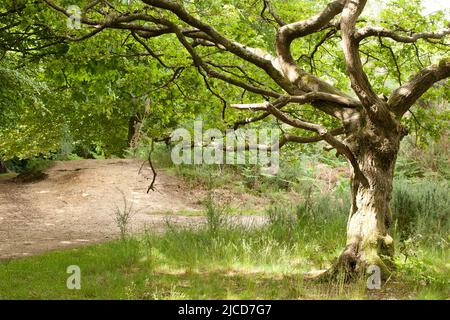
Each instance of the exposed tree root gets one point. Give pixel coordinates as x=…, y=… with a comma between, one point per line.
x=351, y=266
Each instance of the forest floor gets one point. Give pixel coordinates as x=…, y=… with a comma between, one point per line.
x=206, y=233
x=76, y=202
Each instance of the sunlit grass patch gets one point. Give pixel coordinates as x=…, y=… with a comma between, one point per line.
x=7, y=176
x=221, y=260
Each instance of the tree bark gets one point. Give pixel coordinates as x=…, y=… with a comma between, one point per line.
x=3, y=168
x=368, y=239
x=134, y=128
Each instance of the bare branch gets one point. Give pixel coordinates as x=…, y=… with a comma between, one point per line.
x=405, y=96
x=292, y=138
x=369, y=31
x=394, y=58
x=288, y=33
x=149, y=50
x=303, y=99
x=324, y=133
x=267, y=4
x=253, y=56
x=359, y=80
x=246, y=121
x=327, y=36
x=376, y=108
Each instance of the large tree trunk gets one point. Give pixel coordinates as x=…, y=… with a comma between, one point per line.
x=368, y=239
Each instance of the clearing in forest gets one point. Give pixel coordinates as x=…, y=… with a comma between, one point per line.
x=75, y=205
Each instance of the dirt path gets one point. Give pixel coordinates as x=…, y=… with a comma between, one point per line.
x=75, y=205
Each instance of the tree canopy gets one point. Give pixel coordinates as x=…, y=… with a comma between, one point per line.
x=80, y=84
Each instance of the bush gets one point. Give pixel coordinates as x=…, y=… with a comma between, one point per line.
x=429, y=161
x=216, y=215
x=421, y=207
x=29, y=169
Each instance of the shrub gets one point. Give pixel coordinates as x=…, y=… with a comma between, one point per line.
x=29, y=169
x=421, y=207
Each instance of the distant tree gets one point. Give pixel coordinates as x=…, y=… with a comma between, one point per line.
x=3, y=168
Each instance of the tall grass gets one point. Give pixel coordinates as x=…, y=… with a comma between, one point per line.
x=421, y=212
x=228, y=260
x=424, y=161
x=421, y=209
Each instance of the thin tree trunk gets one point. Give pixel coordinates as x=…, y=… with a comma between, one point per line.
x=134, y=127
x=3, y=168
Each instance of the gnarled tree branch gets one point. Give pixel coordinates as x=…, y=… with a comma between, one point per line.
x=369, y=31
x=405, y=96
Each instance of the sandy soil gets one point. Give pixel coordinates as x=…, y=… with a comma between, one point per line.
x=75, y=205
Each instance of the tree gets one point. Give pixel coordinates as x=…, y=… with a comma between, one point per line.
x=368, y=118
x=57, y=99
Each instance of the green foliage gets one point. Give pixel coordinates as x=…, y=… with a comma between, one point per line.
x=427, y=160
x=423, y=209
x=67, y=99
x=26, y=128
x=29, y=170
x=33, y=167
x=86, y=92
x=216, y=214
x=303, y=223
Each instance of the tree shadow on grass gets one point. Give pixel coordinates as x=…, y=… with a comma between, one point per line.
x=232, y=285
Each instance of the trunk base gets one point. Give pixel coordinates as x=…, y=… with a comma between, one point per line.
x=352, y=265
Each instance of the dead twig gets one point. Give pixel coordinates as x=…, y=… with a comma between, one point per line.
x=152, y=185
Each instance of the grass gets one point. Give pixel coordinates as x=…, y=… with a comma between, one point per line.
x=7, y=176
x=225, y=261
x=305, y=231
x=133, y=275
x=182, y=212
